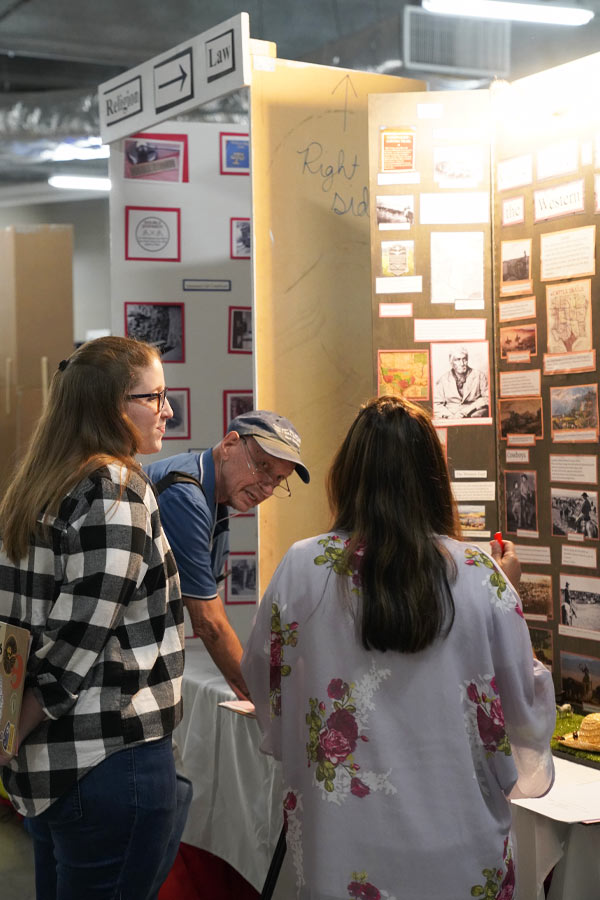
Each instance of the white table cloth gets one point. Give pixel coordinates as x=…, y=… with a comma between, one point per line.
x=544, y=842
x=236, y=809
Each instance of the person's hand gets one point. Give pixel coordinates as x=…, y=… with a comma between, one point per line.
x=507, y=559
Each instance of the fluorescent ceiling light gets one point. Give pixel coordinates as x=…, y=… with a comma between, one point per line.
x=79, y=183
x=543, y=13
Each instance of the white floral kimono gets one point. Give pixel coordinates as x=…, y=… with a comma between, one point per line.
x=397, y=767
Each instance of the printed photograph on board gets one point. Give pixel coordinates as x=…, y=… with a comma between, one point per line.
x=395, y=212
x=472, y=518
x=240, y=578
x=159, y=324
x=574, y=413
x=515, y=272
x=460, y=375
x=541, y=641
x=580, y=680
x=240, y=239
x=580, y=606
x=235, y=403
x=240, y=329
x=178, y=428
x=156, y=157
x=574, y=512
x=518, y=339
x=234, y=153
x=521, y=415
x=403, y=373
x=535, y=591
x=521, y=501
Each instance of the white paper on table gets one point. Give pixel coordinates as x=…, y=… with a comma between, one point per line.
x=242, y=707
x=568, y=801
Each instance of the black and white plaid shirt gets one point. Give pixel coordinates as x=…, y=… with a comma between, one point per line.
x=103, y=603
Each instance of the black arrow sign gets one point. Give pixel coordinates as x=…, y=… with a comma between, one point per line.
x=180, y=77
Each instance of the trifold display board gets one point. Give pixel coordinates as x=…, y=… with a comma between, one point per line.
x=285, y=275
x=509, y=176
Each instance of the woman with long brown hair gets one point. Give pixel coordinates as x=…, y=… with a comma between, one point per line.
x=85, y=566
x=393, y=675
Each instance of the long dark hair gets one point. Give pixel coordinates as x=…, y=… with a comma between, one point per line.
x=389, y=488
x=83, y=427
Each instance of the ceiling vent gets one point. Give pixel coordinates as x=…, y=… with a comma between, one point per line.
x=455, y=44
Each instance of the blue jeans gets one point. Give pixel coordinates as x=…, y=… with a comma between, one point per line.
x=184, y=798
x=105, y=839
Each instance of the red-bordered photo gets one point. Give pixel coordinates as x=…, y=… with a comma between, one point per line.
x=240, y=239
x=153, y=233
x=239, y=338
x=240, y=579
x=156, y=157
x=178, y=428
x=234, y=153
x=236, y=402
x=159, y=324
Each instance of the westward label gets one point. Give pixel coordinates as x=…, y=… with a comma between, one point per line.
x=123, y=101
x=220, y=55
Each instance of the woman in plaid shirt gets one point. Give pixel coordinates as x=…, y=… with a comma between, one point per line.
x=85, y=565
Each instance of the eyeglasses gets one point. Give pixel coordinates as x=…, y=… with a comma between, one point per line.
x=278, y=483
x=159, y=396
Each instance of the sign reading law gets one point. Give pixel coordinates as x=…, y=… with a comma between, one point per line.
x=207, y=66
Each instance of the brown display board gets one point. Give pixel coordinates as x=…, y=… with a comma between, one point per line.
x=431, y=260
x=546, y=205
x=533, y=147
x=310, y=200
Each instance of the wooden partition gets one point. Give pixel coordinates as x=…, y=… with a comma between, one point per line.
x=310, y=184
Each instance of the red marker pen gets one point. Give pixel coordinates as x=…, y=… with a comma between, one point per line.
x=498, y=537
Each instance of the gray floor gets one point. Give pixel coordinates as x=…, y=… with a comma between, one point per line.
x=16, y=857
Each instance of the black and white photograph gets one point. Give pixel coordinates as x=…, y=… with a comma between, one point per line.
x=240, y=330
x=580, y=680
x=159, y=324
x=521, y=501
x=240, y=239
x=240, y=579
x=178, y=428
x=460, y=374
x=521, y=415
x=579, y=606
x=574, y=512
x=541, y=641
x=235, y=403
x=535, y=591
x=516, y=267
x=395, y=213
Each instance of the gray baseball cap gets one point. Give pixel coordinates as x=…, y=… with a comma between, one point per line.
x=276, y=435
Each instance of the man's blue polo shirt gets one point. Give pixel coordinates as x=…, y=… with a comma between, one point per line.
x=193, y=522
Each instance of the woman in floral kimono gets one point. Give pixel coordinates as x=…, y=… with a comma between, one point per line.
x=393, y=675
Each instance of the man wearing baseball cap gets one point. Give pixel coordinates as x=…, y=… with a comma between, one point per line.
x=253, y=462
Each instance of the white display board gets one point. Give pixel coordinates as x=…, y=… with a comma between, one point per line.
x=180, y=208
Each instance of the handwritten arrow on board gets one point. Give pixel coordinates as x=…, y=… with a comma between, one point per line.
x=348, y=84
x=180, y=77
